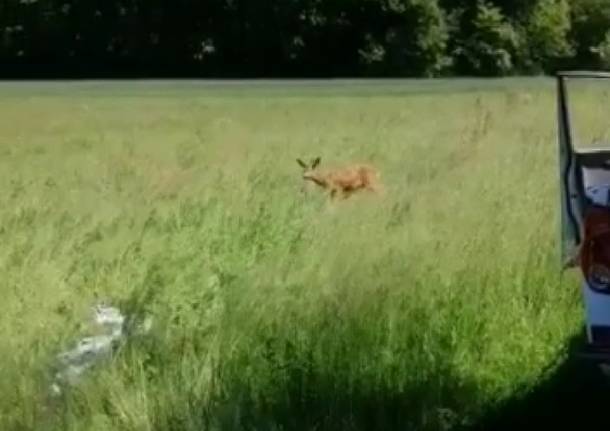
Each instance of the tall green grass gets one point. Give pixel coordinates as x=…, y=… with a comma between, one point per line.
x=272, y=308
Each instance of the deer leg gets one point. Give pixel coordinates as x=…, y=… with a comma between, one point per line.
x=376, y=188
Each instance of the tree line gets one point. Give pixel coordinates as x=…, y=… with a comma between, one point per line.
x=300, y=38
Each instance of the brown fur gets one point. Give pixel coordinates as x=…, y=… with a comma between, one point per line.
x=343, y=181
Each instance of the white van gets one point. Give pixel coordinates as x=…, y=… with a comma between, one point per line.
x=584, y=161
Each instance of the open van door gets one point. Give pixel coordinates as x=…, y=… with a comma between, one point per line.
x=584, y=174
x=571, y=192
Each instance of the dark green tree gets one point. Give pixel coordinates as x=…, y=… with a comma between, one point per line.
x=487, y=44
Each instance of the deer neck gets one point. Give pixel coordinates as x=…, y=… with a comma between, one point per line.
x=317, y=179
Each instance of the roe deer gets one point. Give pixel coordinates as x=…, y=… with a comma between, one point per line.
x=346, y=180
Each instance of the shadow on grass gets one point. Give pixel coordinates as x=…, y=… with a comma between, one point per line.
x=576, y=395
x=329, y=408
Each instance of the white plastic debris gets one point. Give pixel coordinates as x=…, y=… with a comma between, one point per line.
x=89, y=350
x=110, y=318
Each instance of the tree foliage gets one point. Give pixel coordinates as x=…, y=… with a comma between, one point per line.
x=489, y=42
x=249, y=38
x=545, y=35
x=589, y=33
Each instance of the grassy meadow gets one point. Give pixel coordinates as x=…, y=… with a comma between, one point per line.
x=274, y=310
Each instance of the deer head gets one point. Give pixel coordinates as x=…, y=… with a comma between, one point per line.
x=310, y=172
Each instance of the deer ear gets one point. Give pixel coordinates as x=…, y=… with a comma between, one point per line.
x=301, y=163
x=316, y=162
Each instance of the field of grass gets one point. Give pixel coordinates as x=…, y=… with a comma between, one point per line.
x=274, y=310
